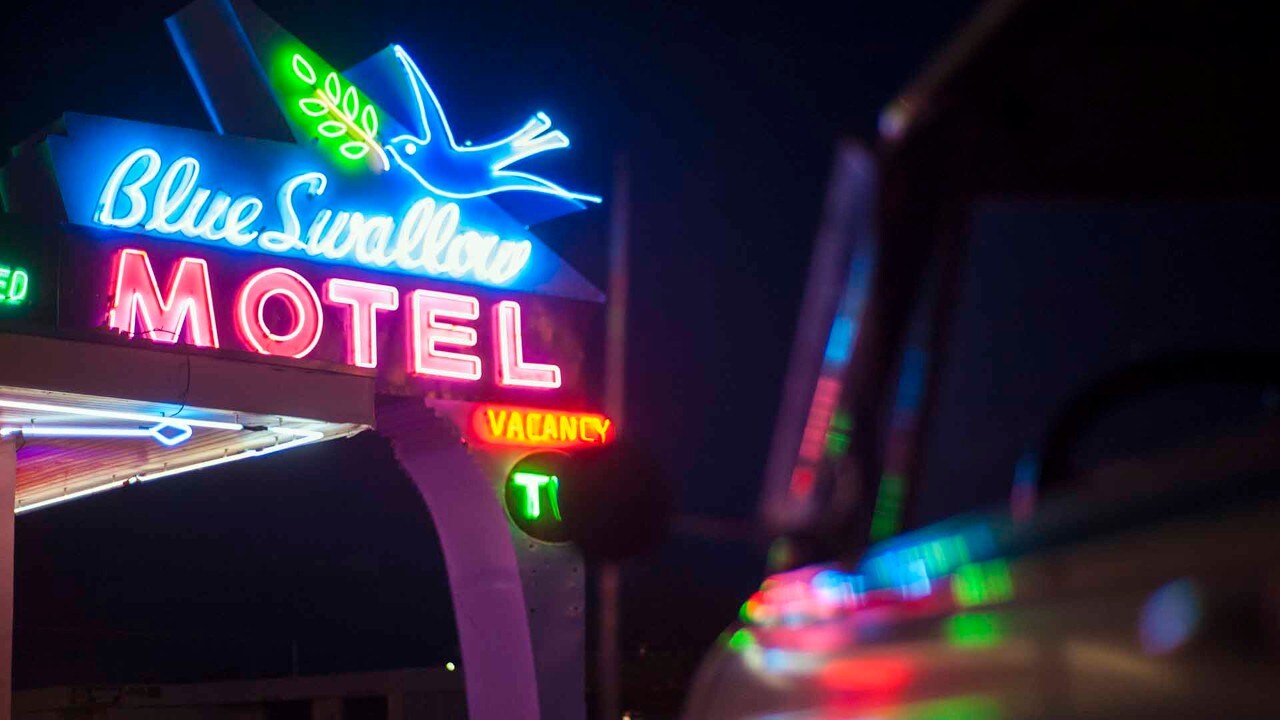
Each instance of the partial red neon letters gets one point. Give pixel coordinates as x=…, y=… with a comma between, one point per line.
x=426, y=309
x=304, y=307
x=185, y=311
x=364, y=300
x=826, y=396
x=512, y=369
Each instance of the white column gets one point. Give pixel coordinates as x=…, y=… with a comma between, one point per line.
x=484, y=576
x=8, y=478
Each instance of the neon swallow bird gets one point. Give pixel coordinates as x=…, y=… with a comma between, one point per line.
x=471, y=171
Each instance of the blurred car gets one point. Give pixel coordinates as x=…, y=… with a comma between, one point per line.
x=1027, y=462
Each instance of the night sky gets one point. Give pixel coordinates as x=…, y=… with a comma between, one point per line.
x=730, y=114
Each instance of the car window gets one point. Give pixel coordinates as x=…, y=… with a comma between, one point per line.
x=1054, y=295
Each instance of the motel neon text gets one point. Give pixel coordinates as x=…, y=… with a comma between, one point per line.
x=439, y=331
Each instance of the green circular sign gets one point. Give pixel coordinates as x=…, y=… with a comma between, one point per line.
x=532, y=496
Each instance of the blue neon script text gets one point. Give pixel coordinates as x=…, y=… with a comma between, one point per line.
x=168, y=200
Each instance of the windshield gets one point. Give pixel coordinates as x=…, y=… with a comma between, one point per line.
x=1053, y=295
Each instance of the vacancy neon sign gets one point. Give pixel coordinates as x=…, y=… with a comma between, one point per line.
x=441, y=329
x=539, y=427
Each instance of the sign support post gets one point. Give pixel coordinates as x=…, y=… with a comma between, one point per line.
x=519, y=602
x=484, y=580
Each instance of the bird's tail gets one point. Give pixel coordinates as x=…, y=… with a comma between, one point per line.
x=532, y=139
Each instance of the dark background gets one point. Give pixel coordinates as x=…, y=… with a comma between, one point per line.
x=729, y=112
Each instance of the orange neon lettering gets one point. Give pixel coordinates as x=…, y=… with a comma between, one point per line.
x=568, y=428
x=497, y=421
x=535, y=427
x=515, y=427
x=550, y=430
x=602, y=425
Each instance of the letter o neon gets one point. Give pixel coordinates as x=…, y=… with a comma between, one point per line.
x=304, y=306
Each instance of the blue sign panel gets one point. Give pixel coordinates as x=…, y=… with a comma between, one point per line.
x=374, y=177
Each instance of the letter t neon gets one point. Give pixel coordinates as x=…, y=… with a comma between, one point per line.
x=364, y=300
x=532, y=484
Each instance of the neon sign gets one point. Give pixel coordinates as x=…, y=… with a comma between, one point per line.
x=474, y=170
x=532, y=494
x=512, y=368
x=365, y=300
x=358, y=167
x=319, y=233
x=533, y=486
x=304, y=307
x=342, y=108
x=535, y=427
x=185, y=311
x=164, y=430
x=14, y=285
x=165, y=433
x=424, y=241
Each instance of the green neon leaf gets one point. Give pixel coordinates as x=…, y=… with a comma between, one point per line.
x=369, y=120
x=303, y=69
x=332, y=129
x=313, y=106
x=350, y=103
x=333, y=87
x=353, y=149
x=338, y=111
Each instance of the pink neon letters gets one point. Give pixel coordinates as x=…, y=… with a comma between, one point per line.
x=304, y=308
x=512, y=369
x=278, y=312
x=365, y=300
x=185, y=311
x=428, y=307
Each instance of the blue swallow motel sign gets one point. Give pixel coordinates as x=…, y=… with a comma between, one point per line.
x=336, y=221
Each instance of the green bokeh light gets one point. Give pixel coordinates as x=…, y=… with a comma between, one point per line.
x=972, y=631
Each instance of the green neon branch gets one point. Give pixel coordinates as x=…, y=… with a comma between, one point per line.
x=341, y=112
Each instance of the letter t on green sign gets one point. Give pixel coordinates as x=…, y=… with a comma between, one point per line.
x=532, y=484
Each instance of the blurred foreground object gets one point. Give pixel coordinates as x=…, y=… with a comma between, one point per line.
x=1025, y=464
x=619, y=504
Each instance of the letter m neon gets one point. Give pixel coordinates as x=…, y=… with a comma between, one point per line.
x=185, y=311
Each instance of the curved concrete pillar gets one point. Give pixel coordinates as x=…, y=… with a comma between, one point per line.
x=484, y=574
